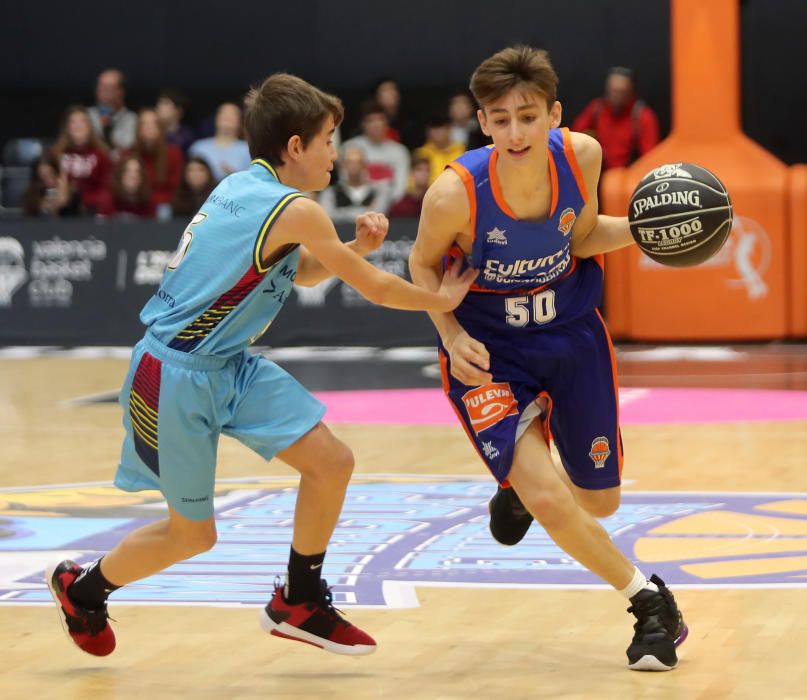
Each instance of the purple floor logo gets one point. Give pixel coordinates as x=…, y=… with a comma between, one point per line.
x=397, y=533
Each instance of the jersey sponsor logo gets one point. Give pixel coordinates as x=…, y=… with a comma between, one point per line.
x=600, y=451
x=516, y=272
x=497, y=236
x=231, y=206
x=489, y=404
x=567, y=219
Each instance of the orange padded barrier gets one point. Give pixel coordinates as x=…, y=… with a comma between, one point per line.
x=797, y=198
x=748, y=291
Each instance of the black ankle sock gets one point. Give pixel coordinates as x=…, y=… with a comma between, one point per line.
x=91, y=589
x=305, y=571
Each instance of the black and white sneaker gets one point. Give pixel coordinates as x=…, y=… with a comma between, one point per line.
x=658, y=631
x=509, y=519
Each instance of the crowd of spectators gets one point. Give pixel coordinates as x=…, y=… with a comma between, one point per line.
x=109, y=161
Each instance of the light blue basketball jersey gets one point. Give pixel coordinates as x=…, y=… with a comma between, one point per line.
x=217, y=297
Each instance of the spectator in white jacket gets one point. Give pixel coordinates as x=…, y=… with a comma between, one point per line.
x=387, y=160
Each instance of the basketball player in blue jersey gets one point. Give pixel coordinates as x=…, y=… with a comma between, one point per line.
x=191, y=379
x=526, y=357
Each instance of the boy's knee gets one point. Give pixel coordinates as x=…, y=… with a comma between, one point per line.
x=601, y=504
x=198, y=539
x=341, y=462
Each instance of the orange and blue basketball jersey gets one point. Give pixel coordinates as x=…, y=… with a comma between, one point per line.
x=534, y=307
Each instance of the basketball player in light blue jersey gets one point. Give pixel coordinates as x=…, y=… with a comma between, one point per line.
x=526, y=356
x=191, y=378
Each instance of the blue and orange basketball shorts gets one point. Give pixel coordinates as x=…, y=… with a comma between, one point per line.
x=572, y=366
x=175, y=406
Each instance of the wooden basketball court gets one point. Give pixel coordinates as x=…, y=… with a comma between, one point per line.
x=460, y=642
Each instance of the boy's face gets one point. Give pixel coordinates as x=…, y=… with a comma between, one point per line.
x=519, y=124
x=318, y=157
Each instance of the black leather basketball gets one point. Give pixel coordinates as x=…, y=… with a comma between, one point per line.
x=680, y=214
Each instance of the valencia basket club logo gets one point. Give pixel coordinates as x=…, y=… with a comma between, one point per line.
x=567, y=219
x=600, y=451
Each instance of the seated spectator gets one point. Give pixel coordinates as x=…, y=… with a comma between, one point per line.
x=412, y=202
x=354, y=193
x=129, y=195
x=50, y=193
x=439, y=150
x=387, y=161
x=83, y=157
x=388, y=96
x=194, y=188
x=464, y=123
x=225, y=152
x=400, y=126
x=112, y=121
x=171, y=108
x=162, y=161
x=624, y=125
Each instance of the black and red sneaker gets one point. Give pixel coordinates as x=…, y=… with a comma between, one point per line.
x=88, y=629
x=315, y=622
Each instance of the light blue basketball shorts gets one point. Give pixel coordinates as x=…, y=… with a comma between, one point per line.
x=175, y=406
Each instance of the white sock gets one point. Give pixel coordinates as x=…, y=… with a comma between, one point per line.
x=637, y=583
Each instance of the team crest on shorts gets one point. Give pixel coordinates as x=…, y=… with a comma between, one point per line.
x=600, y=451
x=567, y=219
x=489, y=404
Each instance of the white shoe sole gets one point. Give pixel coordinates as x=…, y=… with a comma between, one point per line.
x=49, y=581
x=281, y=629
x=650, y=663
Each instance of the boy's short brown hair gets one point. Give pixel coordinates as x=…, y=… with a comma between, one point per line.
x=514, y=67
x=283, y=106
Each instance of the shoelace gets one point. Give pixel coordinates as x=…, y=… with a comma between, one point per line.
x=327, y=601
x=92, y=621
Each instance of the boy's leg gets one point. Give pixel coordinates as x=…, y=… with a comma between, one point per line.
x=170, y=446
x=81, y=592
x=156, y=547
x=276, y=416
x=551, y=502
x=325, y=465
x=659, y=628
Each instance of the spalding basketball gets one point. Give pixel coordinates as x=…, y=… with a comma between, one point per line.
x=680, y=214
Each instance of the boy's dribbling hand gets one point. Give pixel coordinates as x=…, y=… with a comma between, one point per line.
x=371, y=230
x=454, y=285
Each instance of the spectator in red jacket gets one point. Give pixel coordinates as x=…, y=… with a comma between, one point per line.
x=162, y=160
x=129, y=195
x=624, y=125
x=83, y=157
